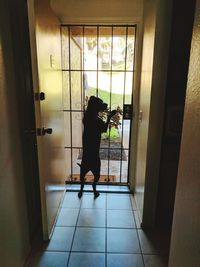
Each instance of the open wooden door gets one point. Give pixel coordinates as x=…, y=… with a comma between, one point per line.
x=47, y=78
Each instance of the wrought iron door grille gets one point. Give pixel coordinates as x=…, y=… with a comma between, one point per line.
x=98, y=60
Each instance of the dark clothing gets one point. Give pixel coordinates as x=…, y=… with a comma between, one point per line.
x=92, y=165
x=93, y=128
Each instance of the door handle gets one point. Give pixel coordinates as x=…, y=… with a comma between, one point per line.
x=47, y=131
x=40, y=96
x=44, y=131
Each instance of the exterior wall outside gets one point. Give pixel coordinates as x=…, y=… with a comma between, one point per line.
x=185, y=242
x=14, y=232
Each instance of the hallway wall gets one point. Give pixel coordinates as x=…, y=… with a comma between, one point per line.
x=98, y=11
x=177, y=72
x=185, y=243
x=157, y=20
x=145, y=93
x=14, y=233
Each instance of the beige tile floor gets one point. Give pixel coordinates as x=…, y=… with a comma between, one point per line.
x=102, y=232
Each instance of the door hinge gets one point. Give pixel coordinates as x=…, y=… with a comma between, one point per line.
x=140, y=116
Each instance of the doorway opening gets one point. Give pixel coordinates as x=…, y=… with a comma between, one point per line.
x=98, y=60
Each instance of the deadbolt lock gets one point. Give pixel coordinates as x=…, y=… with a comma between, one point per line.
x=127, y=112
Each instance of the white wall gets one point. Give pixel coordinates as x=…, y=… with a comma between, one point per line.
x=14, y=234
x=98, y=11
x=185, y=242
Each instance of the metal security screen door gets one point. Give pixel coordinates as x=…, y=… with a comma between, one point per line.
x=98, y=60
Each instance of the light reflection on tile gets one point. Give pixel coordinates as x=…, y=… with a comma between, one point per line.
x=87, y=228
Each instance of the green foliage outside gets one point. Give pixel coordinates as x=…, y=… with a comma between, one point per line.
x=116, y=99
x=114, y=134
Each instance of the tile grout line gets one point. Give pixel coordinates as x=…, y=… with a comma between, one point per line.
x=95, y=252
x=98, y=227
x=74, y=233
x=137, y=234
x=106, y=228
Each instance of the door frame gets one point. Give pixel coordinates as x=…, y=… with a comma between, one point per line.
x=135, y=95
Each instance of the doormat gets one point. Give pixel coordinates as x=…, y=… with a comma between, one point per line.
x=90, y=178
x=115, y=152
